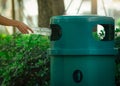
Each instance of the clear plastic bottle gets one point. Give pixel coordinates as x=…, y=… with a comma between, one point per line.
x=42, y=31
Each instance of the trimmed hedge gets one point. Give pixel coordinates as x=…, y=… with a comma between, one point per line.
x=23, y=60
x=117, y=45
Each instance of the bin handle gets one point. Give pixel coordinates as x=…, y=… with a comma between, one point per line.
x=77, y=76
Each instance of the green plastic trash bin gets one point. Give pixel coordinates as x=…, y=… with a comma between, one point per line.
x=77, y=59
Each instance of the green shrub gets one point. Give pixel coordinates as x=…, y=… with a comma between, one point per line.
x=23, y=60
x=117, y=45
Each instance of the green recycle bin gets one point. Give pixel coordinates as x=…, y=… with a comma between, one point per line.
x=77, y=58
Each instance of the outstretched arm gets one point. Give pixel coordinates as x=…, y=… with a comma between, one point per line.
x=20, y=25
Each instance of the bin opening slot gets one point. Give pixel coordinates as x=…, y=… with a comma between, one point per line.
x=56, y=32
x=103, y=32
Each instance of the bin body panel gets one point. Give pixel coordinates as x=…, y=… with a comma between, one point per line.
x=96, y=71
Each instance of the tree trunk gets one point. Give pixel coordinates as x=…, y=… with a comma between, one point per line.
x=20, y=9
x=94, y=6
x=13, y=15
x=47, y=9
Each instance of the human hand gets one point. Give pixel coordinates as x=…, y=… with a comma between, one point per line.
x=23, y=28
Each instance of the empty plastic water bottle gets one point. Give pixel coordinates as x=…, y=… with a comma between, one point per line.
x=42, y=31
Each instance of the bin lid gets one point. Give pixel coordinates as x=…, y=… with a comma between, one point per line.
x=70, y=50
x=80, y=18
